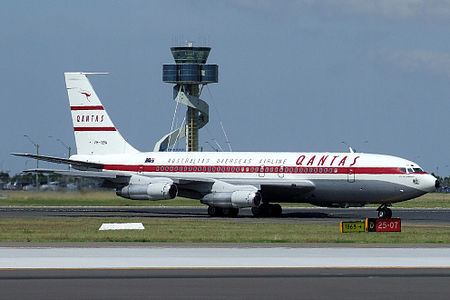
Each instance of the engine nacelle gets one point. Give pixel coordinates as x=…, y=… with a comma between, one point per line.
x=237, y=199
x=151, y=191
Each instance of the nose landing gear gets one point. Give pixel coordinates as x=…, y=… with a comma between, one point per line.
x=384, y=212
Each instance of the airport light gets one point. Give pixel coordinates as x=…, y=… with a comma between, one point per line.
x=69, y=149
x=37, y=160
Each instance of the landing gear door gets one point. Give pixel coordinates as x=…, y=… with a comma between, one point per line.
x=351, y=175
x=261, y=172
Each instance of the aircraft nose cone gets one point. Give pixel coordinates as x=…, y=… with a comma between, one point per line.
x=429, y=183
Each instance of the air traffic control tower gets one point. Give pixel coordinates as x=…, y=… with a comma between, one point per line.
x=189, y=74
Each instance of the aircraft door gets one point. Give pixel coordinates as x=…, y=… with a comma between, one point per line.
x=281, y=171
x=261, y=172
x=351, y=175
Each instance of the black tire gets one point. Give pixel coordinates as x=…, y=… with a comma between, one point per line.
x=276, y=210
x=267, y=210
x=234, y=212
x=257, y=212
x=214, y=211
x=382, y=214
x=388, y=213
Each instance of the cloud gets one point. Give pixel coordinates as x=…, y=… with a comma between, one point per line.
x=418, y=60
x=386, y=8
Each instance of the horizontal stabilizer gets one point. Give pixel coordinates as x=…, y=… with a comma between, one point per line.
x=60, y=160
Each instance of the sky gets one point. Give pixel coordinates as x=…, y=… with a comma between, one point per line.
x=294, y=76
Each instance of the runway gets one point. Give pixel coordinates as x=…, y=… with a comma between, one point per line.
x=424, y=216
x=226, y=284
x=224, y=273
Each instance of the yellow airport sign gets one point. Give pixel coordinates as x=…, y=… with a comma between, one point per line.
x=352, y=226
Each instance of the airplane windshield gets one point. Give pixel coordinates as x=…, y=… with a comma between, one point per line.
x=418, y=170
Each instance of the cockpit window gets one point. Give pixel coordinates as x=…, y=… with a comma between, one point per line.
x=410, y=170
x=403, y=170
x=418, y=170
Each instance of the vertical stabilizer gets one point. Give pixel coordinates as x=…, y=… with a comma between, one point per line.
x=94, y=131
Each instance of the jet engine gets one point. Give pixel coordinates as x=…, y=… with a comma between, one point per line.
x=236, y=199
x=144, y=188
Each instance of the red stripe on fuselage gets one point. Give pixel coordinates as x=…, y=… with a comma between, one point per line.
x=252, y=169
x=92, y=107
x=94, y=129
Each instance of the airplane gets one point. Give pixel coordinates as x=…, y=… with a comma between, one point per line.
x=229, y=181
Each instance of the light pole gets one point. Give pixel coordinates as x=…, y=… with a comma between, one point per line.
x=37, y=160
x=69, y=149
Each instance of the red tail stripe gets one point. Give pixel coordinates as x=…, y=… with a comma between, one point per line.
x=94, y=129
x=92, y=107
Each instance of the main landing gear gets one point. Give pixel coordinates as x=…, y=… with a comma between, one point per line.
x=384, y=212
x=215, y=211
x=267, y=210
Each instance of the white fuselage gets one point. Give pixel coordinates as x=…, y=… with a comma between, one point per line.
x=339, y=179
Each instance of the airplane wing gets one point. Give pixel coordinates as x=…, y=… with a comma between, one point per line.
x=76, y=173
x=60, y=160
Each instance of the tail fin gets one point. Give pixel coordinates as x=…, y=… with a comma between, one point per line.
x=94, y=131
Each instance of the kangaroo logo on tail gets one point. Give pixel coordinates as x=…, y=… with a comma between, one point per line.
x=86, y=94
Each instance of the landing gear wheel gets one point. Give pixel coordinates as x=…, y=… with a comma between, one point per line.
x=267, y=211
x=381, y=214
x=230, y=212
x=384, y=213
x=257, y=212
x=388, y=213
x=214, y=211
x=234, y=212
x=277, y=210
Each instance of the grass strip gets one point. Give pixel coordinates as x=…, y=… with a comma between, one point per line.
x=200, y=231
